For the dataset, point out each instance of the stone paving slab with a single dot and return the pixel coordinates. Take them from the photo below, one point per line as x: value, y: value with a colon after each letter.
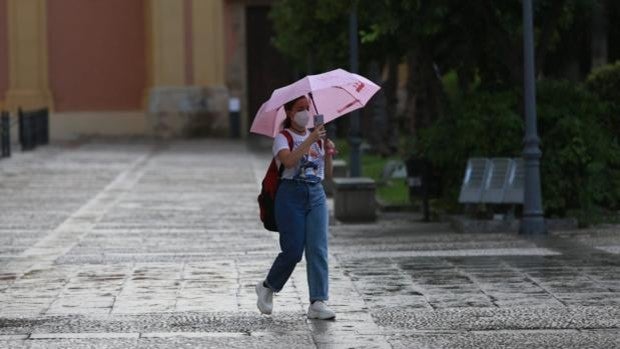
x: 295, y: 341
x: 514, y: 318
x: 144, y: 244
x: 509, y: 339
x: 169, y: 322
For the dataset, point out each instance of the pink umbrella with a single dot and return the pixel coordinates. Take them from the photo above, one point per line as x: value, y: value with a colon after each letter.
x: 333, y: 94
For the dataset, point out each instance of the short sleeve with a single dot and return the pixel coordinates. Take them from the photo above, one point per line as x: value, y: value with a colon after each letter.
x: 279, y: 143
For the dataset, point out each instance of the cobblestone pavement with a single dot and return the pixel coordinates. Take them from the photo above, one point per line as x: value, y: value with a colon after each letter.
x: 133, y: 244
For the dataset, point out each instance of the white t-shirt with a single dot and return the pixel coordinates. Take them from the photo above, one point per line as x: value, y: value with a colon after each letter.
x: 310, y: 167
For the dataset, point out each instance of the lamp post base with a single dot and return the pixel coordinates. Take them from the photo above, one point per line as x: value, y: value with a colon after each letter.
x: 533, y: 225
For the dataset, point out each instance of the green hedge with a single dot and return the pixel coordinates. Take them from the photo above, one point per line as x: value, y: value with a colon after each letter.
x: 579, y: 152
x: 580, y: 155
x: 605, y: 83
x: 482, y: 124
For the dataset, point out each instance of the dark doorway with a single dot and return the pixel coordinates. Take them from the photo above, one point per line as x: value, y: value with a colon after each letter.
x: 267, y: 68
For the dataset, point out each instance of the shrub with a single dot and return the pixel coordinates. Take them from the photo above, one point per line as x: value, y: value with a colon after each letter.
x: 479, y: 124
x: 580, y: 155
x: 605, y: 83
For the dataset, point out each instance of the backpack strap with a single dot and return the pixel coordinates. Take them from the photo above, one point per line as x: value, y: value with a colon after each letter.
x: 289, y: 138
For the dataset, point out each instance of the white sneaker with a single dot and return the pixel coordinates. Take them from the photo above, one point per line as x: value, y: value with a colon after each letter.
x: 320, y: 310
x: 265, y: 298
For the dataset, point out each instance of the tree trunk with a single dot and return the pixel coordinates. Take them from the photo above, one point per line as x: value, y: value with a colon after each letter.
x: 391, y: 136
x: 547, y: 28
x: 424, y: 91
x: 379, y: 116
x: 599, y: 32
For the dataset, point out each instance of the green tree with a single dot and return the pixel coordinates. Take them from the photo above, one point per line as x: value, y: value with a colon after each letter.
x: 479, y: 40
x: 312, y: 33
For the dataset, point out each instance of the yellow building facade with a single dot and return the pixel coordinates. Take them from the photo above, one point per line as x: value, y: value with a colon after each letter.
x: 95, y: 64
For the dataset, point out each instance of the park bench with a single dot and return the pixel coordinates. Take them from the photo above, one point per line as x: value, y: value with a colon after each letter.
x: 495, y: 181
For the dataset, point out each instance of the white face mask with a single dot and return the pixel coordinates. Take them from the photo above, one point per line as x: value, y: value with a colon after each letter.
x: 301, y: 118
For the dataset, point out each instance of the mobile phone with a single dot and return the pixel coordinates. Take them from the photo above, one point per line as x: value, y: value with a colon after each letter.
x: 318, y: 120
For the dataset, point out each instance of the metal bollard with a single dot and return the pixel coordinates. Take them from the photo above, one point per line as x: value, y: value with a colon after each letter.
x: 20, y: 127
x: 234, y: 117
x: 38, y: 117
x: 32, y: 131
x: 5, y: 135
x: 26, y: 129
x: 40, y: 120
x: 46, y: 127
x: 33, y: 128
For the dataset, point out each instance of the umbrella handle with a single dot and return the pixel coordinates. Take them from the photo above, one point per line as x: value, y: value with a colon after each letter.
x: 314, y: 105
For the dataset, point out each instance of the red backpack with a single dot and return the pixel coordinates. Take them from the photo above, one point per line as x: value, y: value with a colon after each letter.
x: 269, y: 187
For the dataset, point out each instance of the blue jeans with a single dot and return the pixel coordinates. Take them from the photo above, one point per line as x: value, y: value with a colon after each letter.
x: 301, y: 215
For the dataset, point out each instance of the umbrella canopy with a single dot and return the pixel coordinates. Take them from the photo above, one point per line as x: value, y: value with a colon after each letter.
x: 334, y: 93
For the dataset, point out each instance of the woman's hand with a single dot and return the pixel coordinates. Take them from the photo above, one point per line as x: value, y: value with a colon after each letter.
x: 330, y: 147
x: 318, y: 133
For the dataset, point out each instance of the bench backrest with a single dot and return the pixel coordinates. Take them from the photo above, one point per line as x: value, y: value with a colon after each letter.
x: 513, y: 194
x: 493, y: 181
x: 474, y: 180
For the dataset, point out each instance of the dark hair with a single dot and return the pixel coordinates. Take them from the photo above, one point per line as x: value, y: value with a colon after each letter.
x: 287, y: 107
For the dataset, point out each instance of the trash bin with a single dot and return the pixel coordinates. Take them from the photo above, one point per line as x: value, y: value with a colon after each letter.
x: 234, y: 117
x: 423, y: 181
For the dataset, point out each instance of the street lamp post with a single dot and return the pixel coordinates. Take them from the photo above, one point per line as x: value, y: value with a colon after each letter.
x: 354, y: 131
x: 533, y: 222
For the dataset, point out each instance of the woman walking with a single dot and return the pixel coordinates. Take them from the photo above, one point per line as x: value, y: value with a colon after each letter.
x: 301, y: 210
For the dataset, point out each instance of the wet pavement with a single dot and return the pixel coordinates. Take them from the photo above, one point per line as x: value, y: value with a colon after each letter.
x: 137, y: 244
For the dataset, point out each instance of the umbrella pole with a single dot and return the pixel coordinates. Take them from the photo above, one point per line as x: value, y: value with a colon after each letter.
x: 314, y: 105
